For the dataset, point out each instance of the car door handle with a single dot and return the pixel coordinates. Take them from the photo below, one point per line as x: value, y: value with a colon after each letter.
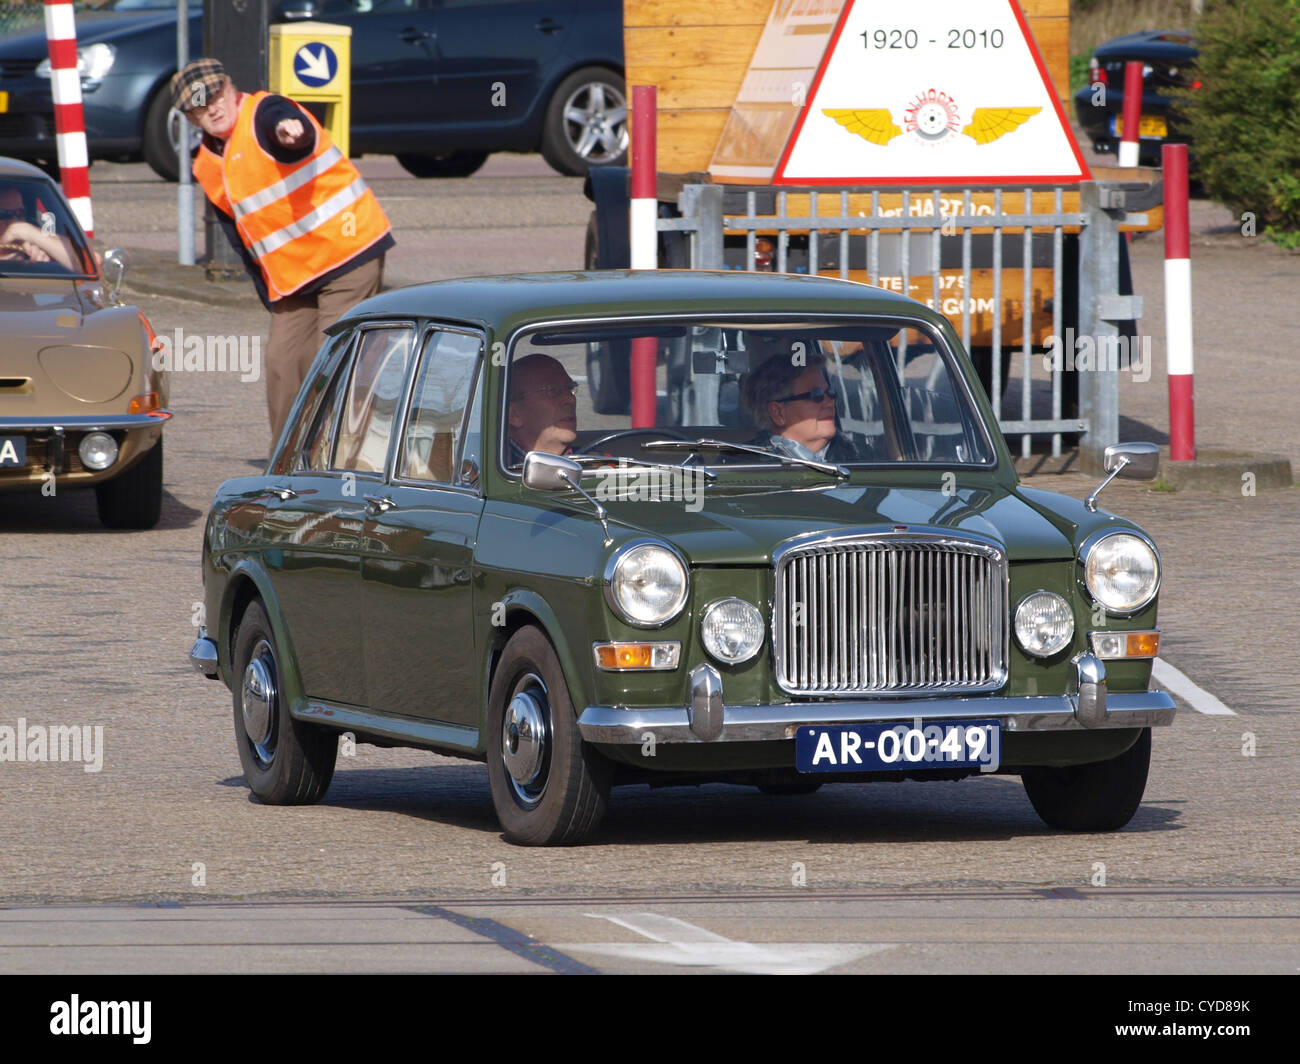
x: 548, y: 25
x: 411, y: 35
x: 376, y: 504
x: 285, y: 494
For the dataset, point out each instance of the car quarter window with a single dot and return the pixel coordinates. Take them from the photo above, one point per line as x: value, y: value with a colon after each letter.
x: 316, y: 449
x: 374, y: 397
x: 438, y: 405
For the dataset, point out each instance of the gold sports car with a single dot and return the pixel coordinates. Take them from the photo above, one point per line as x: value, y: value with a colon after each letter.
x: 81, y: 404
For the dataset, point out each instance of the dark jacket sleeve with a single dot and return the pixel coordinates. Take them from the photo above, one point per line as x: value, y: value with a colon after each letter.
x: 270, y: 113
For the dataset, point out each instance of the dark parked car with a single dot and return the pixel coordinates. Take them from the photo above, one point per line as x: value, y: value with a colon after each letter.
x: 438, y: 83
x: 694, y: 597
x: 1166, y: 57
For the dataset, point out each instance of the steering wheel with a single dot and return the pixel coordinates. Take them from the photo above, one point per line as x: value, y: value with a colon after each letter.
x: 620, y: 434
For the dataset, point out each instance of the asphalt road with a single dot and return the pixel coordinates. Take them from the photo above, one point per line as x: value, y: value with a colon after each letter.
x: 160, y: 861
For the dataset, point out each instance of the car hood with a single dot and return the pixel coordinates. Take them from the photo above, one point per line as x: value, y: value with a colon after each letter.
x: 91, y: 27
x: 737, y: 526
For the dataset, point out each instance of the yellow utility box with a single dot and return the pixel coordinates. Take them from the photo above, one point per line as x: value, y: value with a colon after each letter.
x: 311, y: 62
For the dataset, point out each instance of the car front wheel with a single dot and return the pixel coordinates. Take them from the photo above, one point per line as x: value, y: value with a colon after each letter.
x: 548, y: 786
x: 586, y: 122
x: 449, y: 164
x: 1101, y: 796
x: 286, y: 761
x: 134, y: 499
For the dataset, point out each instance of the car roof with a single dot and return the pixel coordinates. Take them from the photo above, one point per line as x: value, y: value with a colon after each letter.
x: 18, y: 168
x: 510, y: 301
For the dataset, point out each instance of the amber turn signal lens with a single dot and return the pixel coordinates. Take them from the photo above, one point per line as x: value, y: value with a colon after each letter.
x: 626, y: 657
x: 1143, y: 644
x: 142, y: 404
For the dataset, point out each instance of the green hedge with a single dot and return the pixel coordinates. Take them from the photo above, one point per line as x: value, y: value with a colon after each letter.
x: 1244, y: 120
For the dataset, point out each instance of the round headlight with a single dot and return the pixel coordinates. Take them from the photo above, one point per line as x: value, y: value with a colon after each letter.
x: 1044, y: 623
x: 645, y: 584
x: 732, y: 630
x: 98, y: 450
x: 1122, y: 572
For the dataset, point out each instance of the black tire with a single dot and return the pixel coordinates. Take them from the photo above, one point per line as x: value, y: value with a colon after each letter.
x: 591, y: 245
x: 790, y: 787
x: 565, y: 786
x: 600, y: 95
x: 134, y: 499
x: 448, y: 164
x: 1101, y: 796
x: 286, y: 761
x: 155, y: 144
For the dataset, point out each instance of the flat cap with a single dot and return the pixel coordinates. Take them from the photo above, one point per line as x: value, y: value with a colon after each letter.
x: 197, y: 83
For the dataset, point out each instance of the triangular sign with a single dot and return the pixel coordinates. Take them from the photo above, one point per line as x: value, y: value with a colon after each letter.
x: 935, y: 91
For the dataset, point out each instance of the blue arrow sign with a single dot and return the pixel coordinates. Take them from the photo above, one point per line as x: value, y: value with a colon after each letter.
x: 315, y: 64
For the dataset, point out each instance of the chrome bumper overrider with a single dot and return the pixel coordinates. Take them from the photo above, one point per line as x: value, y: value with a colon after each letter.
x: 203, y: 655
x: 709, y: 719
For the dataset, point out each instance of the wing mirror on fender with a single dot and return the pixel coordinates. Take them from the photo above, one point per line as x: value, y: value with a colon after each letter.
x: 1133, y: 461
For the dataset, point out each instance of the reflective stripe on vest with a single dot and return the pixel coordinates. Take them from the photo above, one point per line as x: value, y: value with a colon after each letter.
x: 280, y: 208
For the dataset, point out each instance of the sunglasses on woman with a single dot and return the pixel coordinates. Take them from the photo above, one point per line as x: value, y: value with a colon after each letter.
x: 816, y: 395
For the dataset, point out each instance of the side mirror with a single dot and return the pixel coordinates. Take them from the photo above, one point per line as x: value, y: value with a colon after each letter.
x: 114, y: 269
x: 1143, y: 460
x: 1133, y: 461
x: 548, y: 472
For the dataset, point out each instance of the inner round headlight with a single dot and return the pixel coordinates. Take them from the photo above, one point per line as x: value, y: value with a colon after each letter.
x: 98, y: 450
x: 645, y: 584
x: 732, y: 630
x: 1122, y: 572
x: 1044, y: 623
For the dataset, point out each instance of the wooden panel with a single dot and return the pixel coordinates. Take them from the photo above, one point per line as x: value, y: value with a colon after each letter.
x: 693, y: 13
x: 696, y: 67
x: 687, y: 138
x: 1053, y: 38
x: 1045, y: 8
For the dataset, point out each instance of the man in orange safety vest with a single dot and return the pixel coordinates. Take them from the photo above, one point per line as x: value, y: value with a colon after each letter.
x: 310, y: 232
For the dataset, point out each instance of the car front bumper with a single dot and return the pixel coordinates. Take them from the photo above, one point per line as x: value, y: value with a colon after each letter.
x: 52, y: 446
x: 708, y: 719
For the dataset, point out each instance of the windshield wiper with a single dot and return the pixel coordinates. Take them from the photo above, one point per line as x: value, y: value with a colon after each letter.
x: 587, y: 460
x: 723, y: 447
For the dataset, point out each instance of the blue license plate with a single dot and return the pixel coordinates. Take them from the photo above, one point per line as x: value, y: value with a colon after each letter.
x: 13, y: 450
x: 898, y: 747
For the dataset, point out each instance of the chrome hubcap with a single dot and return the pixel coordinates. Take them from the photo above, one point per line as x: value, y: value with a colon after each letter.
x: 524, y: 740
x: 257, y: 700
x: 595, y: 122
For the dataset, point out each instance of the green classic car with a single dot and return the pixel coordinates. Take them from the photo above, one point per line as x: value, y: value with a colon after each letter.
x: 802, y: 556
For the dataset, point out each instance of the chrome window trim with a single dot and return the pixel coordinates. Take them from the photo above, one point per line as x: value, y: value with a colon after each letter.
x: 934, y: 332
x: 969, y: 542
x: 1081, y: 561
x: 346, y: 361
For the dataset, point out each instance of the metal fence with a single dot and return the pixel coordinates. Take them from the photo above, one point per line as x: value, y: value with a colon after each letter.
x: 942, y: 234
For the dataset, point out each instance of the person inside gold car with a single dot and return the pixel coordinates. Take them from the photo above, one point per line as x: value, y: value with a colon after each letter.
x: 542, y: 413
x: 21, y: 241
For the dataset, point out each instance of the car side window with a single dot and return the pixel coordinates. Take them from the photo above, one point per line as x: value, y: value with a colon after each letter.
x: 315, y: 452
x: 438, y: 406
x: 373, y: 398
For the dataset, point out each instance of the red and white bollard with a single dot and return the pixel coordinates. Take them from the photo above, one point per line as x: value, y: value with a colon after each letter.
x: 1178, y: 305
x: 69, y: 122
x: 643, y: 237
x: 1128, y: 146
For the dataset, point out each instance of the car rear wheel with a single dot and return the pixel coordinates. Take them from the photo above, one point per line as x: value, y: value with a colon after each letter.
x: 134, y: 499
x: 586, y: 122
x: 286, y: 761
x: 448, y: 164
x: 548, y: 786
x: 1101, y: 796
x: 155, y: 143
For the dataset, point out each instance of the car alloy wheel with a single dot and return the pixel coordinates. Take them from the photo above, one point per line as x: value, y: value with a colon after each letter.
x: 586, y: 122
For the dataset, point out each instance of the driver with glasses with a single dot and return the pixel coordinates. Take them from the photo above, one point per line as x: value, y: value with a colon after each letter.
x: 542, y: 412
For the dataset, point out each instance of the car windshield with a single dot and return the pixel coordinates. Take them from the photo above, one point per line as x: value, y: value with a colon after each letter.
x: 870, y: 391
x: 38, y: 235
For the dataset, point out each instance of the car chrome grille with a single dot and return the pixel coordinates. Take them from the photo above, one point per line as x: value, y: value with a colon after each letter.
x: 879, y: 614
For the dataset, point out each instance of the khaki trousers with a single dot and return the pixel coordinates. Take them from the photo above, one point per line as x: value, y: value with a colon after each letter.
x: 298, y: 325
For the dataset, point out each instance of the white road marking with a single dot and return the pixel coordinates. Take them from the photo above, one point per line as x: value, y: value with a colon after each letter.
x: 675, y: 941
x: 1197, y: 697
